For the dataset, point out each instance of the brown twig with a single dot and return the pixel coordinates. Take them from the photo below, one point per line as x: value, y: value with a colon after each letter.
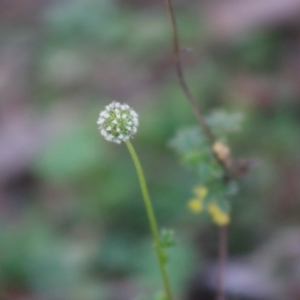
x: 222, y: 261
x: 179, y: 71
x: 192, y: 100
x: 210, y: 137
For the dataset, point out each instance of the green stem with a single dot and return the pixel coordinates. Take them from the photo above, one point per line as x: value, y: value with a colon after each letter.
x: 153, y: 224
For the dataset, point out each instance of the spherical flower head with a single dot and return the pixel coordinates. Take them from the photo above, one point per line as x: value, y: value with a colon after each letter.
x: 118, y: 122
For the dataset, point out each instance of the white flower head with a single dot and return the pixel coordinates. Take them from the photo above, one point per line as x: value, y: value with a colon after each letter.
x: 118, y: 122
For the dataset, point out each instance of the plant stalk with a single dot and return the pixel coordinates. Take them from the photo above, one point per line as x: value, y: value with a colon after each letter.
x: 179, y: 72
x: 228, y: 175
x: 152, y: 220
x: 223, y: 240
x: 186, y: 90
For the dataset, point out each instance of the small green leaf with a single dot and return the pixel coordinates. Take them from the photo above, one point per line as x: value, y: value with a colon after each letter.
x: 167, y: 238
x: 188, y: 140
x: 223, y: 123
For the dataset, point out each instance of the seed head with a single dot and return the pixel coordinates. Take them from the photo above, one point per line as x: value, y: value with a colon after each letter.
x: 118, y: 122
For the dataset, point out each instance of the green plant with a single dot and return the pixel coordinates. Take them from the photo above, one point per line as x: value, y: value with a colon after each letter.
x: 205, y: 149
x: 118, y: 123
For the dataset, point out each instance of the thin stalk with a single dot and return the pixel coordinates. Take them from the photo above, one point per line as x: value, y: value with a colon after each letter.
x: 152, y: 220
x: 179, y: 71
x: 222, y: 262
x: 186, y: 90
x: 228, y: 175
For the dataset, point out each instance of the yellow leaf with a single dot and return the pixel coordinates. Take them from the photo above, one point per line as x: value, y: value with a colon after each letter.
x: 195, y: 205
x: 219, y: 217
x: 201, y: 192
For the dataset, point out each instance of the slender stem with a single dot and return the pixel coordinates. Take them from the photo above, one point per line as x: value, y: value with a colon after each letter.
x: 184, y: 86
x: 222, y: 262
x: 210, y: 137
x: 179, y: 71
x: 152, y: 220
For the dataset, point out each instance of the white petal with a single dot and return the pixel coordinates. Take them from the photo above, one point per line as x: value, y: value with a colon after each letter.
x: 103, y: 132
x: 100, y: 121
x: 133, y: 113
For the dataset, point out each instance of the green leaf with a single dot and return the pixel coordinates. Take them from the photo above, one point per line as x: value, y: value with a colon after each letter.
x: 189, y: 140
x: 223, y: 123
x: 194, y: 150
x: 167, y: 238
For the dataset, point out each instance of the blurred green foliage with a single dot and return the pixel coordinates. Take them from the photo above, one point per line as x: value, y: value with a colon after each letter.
x: 194, y: 149
x: 84, y: 229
